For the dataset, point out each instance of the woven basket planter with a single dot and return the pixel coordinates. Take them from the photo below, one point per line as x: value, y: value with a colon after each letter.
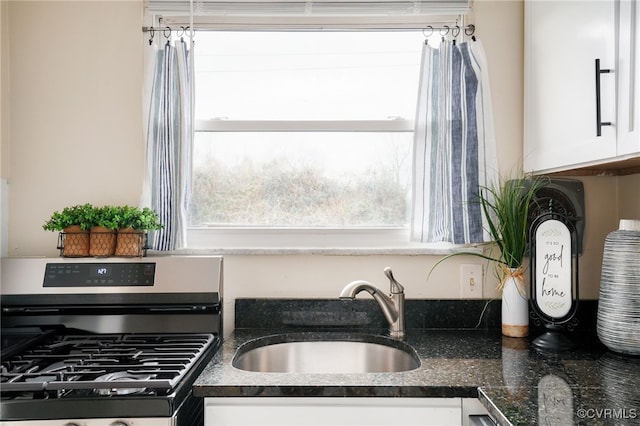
x: 130, y: 243
x: 102, y: 241
x: 74, y: 242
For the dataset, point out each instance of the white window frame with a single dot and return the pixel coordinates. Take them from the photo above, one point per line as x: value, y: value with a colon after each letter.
x: 291, y: 240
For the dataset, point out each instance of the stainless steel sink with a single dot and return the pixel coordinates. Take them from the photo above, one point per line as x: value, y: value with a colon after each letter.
x: 325, y: 354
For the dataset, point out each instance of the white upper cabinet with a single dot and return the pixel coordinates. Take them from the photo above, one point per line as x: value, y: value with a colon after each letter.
x: 571, y: 109
x: 629, y: 78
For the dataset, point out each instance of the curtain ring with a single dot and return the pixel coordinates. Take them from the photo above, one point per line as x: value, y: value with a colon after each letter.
x: 446, y: 30
x: 470, y: 29
x: 164, y: 33
x: 455, y: 31
x: 430, y: 28
x: 181, y: 31
x: 152, y: 33
x: 189, y: 31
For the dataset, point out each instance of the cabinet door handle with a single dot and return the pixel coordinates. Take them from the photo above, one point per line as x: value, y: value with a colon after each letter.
x: 599, y: 122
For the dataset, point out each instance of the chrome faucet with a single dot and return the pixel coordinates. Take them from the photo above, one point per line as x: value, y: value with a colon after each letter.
x: 392, y: 306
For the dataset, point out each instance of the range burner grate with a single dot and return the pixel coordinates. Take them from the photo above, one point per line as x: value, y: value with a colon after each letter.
x: 106, y: 364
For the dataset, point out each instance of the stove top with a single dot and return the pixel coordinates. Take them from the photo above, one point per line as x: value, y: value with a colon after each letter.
x: 107, y: 339
x: 102, y: 365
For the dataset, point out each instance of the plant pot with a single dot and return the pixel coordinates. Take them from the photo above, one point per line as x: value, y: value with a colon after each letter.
x: 75, y: 242
x: 515, y: 305
x: 102, y: 241
x: 129, y: 242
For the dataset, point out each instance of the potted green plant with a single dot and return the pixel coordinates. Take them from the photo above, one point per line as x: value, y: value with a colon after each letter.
x: 103, y: 231
x: 73, y: 223
x: 506, y: 209
x: 133, y: 222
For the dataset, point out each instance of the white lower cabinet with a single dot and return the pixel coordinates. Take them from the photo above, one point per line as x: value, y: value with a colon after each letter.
x: 332, y: 411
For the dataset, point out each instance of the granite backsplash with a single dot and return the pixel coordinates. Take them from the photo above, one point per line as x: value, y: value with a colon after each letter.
x: 365, y: 313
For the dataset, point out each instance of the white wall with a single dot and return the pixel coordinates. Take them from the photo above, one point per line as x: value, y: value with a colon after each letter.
x: 73, y: 89
x: 75, y: 84
x: 4, y: 128
x: 630, y: 197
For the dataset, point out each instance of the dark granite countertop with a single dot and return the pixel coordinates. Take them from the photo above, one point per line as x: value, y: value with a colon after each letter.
x: 518, y: 384
x: 584, y: 387
x: 451, y: 366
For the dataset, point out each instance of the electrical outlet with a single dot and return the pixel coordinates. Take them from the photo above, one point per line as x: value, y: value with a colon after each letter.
x: 471, y: 281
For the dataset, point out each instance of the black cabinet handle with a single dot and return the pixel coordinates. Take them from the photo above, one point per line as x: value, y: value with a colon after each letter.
x: 599, y: 122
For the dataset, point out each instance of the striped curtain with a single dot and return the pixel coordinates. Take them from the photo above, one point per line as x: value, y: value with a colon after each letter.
x: 454, y: 145
x: 169, y: 142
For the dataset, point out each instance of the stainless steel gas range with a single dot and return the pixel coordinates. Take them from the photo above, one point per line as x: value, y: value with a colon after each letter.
x: 109, y: 342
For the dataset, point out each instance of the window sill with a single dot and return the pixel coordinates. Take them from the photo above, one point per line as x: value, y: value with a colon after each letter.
x: 309, y: 241
x: 409, y: 250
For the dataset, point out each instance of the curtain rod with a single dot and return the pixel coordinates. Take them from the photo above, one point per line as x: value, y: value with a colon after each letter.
x: 428, y: 30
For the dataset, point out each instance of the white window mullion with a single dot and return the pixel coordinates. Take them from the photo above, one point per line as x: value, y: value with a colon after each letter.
x: 222, y: 125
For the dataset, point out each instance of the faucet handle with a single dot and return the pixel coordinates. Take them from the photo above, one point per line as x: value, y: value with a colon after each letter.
x: 396, y: 287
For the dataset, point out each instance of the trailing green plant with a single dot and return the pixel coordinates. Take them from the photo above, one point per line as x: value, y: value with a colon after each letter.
x: 506, y: 209
x: 82, y: 215
x: 144, y: 219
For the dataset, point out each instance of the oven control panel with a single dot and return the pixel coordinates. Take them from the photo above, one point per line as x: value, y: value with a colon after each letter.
x: 99, y: 274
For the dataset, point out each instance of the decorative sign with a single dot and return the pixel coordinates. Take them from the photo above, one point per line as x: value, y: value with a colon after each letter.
x: 553, y: 266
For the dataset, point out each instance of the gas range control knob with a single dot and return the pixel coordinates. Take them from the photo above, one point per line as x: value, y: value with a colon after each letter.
x: 119, y: 423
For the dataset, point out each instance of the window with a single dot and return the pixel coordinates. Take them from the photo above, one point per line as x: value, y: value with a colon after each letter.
x: 308, y: 129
